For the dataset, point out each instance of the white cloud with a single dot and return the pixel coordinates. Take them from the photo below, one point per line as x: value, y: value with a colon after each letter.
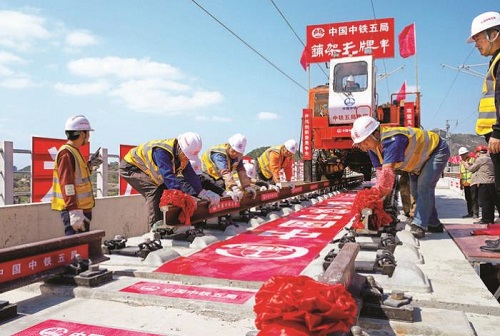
x: 80, y: 38
x: 18, y: 82
x: 267, y: 116
x: 7, y: 57
x: 142, y: 85
x: 19, y: 30
x: 148, y: 96
x: 122, y: 68
x: 213, y: 118
x: 83, y: 89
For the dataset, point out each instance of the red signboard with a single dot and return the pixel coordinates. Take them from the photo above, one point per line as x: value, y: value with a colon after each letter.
x: 307, y: 134
x: 20, y: 268
x: 65, y: 328
x: 125, y: 188
x: 44, y: 151
x: 344, y: 39
x: 409, y: 114
x: 190, y: 292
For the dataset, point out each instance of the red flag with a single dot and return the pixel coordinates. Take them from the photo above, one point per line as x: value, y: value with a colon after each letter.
x: 406, y: 39
x: 402, y: 92
x: 303, y: 59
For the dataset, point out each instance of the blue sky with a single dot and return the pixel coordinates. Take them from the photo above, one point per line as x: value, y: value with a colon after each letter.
x: 143, y: 70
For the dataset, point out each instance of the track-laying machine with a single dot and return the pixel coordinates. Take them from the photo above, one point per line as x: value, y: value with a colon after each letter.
x: 350, y: 93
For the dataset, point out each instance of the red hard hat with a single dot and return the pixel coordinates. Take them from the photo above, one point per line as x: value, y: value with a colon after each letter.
x: 481, y: 148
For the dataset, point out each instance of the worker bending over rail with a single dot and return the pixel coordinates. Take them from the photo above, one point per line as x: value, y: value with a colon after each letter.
x: 421, y: 153
x: 273, y: 160
x: 152, y: 167
x: 220, y: 162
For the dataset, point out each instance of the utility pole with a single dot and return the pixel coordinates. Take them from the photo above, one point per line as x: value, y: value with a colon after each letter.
x: 448, y: 133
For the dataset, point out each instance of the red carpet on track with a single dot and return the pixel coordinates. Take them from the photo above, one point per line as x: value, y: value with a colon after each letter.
x: 284, y: 246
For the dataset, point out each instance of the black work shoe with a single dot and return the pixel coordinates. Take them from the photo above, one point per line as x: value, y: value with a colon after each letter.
x: 492, y: 243
x: 417, y: 231
x: 467, y: 216
x: 436, y: 229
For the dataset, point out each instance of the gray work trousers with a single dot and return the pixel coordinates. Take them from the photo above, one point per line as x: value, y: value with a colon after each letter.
x: 141, y: 182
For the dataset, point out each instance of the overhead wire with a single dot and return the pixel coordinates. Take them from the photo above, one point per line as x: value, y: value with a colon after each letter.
x: 383, y: 61
x: 249, y: 46
x: 451, y: 86
x: 296, y: 35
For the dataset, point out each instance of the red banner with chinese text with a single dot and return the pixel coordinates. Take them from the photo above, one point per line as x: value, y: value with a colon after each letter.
x: 307, y: 134
x: 344, y: 39
x: 23, y: 267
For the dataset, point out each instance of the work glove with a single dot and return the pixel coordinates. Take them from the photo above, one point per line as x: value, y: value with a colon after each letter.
x: 95, y: 162
x: 291, y: 184
x: 210, y: 196
x: 251, y: 190
x: 77, y: 219
x: 263, y: 188
x: 235, y: 193
x: 275, y: 187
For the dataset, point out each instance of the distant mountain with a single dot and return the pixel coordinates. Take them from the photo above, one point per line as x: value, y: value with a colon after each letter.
x: 470, y: 141
x: 26, y: 169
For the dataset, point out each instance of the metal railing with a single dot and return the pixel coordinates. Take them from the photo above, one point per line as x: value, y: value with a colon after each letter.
x: 8, y: 193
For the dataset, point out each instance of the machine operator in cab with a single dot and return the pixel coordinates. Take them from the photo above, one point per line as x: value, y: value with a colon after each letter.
x: 421, y: 153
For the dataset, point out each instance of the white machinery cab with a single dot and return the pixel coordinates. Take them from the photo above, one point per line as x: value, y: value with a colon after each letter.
x: 352, y: 89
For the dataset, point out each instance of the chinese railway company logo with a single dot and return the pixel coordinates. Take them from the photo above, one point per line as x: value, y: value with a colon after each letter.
x: 261, y: 251
x: 318, y: 33
x: 55, y: 331
x: 349, y: 101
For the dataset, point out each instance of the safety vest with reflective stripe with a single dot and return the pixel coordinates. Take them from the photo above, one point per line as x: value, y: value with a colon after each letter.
x: 487, y: 116
x: 264, y: 161
x: 209, y: 167
x: 465, y: 174
x: 83, y: 186
x: 421, y: 144
x: 142, y: 157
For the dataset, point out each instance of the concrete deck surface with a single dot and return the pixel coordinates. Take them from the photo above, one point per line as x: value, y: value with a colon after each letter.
x: 459, y: 303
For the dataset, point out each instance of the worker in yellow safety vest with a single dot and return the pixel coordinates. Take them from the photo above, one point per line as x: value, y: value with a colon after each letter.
x: 152, y: 167
x: 421, y: 153
x: 72, y: 193
x: 220, y: 162
x: 273, y: 160
x: 470, y: 190
x: 485, y: 33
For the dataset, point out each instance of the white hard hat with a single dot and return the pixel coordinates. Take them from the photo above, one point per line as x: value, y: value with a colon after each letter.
x: 250, y: 169
x: 77, y: 123
x: 483, y: 22
x: 190, y: 144
x: 462, y: 150
x: 196, y: 164
x: 238, y: 142
x: 362, y: 128
x: 350, y: 78
x: 291, y: 145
